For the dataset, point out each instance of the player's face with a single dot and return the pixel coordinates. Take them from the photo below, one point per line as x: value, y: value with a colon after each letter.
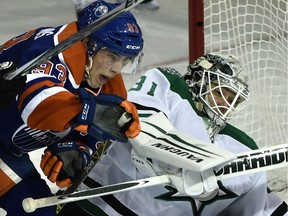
x: 105, y: 66
x: 221, y: 99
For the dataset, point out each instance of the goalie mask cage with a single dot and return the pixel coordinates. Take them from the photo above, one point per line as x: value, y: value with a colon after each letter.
x: 255, y: 31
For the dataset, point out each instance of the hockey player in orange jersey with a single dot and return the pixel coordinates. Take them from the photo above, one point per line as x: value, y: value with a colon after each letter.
x: 68, y: 103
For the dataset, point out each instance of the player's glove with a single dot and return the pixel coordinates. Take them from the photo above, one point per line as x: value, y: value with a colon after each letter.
x: 199, y: 185
x: 107, y: 116
x: 62, y: 162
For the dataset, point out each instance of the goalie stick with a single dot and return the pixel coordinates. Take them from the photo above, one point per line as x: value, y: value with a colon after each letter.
x: 259, y: 160
x: 86, y: 31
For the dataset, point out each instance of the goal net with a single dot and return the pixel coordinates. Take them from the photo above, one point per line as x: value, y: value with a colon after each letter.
x: 256, y: 32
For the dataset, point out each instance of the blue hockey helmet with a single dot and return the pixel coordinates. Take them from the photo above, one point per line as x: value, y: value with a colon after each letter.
x: 121, y: 36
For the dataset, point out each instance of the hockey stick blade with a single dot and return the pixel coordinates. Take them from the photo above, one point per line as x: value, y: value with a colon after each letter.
x: 86, y: 31
x: 259, y: 160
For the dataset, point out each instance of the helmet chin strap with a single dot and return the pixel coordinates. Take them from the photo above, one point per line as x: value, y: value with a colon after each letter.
x: 87, y: 70
x: 87, y: 74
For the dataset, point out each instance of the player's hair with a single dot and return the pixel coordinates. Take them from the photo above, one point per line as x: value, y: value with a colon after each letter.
x: 121, y: 36
x: 211, y: 73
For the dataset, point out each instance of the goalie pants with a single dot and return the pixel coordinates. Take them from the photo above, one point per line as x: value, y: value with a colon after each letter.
x: 19, y: 179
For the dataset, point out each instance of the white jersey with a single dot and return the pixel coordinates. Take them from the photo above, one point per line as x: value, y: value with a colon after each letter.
x: 162, y: 90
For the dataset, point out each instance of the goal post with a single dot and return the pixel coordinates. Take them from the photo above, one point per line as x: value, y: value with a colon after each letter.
x: 256, y: 32
x: 195, y: 29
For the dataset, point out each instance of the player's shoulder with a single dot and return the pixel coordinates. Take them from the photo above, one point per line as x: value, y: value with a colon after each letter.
x: 61, y: 32
x: 170, y: 78
x: 164, y: 70
x: 239, y: 135
x: 169, y: 71
x: 164, y: 73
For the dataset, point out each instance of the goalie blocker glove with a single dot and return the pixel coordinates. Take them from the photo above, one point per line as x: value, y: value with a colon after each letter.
x: 107, y: 117
x: 9, y: 88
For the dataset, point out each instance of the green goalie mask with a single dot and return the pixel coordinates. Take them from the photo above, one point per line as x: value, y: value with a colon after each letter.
x: 218, y: 86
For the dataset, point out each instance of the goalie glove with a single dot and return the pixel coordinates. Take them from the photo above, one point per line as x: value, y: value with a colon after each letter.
x: 107, y: 116
x: 199, y: 185
x: 62, y: 162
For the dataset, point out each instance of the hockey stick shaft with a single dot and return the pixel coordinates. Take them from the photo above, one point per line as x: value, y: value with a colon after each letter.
x: 259, y: 160
x: 94, y: 159
x: 30, y: 204
x: 86, y: 31
x: 102, y: 147
x: 253, y: 161
x: 97, y: 155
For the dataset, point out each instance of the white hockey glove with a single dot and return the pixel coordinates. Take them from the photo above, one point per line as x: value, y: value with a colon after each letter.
x: 199, y: 185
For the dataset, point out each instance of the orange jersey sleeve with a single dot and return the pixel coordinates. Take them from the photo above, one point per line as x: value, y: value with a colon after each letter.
x: 50, y: 102
x: 56, y: 113
x: 74, y: 56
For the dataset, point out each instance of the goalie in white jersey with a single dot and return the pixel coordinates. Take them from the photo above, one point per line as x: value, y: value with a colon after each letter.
x: 198, y: 104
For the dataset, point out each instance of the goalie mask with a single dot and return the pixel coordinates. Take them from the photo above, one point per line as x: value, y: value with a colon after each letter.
x: 218, y: 86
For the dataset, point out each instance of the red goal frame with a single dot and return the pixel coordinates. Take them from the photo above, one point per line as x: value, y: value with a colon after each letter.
x: 195, y: 29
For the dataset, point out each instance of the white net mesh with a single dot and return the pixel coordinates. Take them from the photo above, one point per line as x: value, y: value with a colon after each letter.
x: 256, y: 32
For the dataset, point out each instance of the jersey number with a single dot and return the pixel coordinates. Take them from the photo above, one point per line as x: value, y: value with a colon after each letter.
x: 138, y: 85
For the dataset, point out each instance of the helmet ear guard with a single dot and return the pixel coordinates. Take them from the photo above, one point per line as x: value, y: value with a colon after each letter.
x: 212, y: 74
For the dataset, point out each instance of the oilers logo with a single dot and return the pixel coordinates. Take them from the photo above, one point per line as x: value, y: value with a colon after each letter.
x: 101, y: 10
x: 26, y: 139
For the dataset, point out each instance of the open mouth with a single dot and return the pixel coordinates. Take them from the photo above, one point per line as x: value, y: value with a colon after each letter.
x: 103, y: 79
